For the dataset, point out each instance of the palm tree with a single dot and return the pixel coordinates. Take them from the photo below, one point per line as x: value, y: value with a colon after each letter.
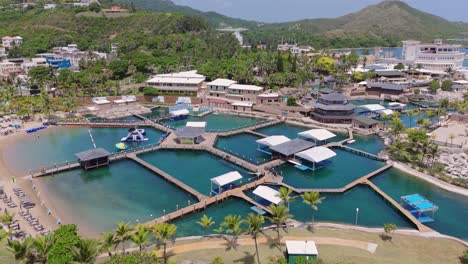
x: 122, y: 233
x: 312, y: 199
x: 108, y: 242
x: 21, y: 250
x: 206, y: 222
x: 389, y: 229
x: 141, y: 236
x: 46, y: 105
x: 410, y: 114
x: 431, y: 114
x: 279, y: 216
x: 41, y: 247
x: 452, y: 137
x: 384, y: 118
x: 232, y: 224
x: 285, y: 195
x: 164, y: 232
x: 86, y: 251
x: 7, y: 218
x: 254, y: 227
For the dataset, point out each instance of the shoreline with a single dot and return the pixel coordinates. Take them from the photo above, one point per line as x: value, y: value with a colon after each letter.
x: 64, y: 211
x: 41, y: 196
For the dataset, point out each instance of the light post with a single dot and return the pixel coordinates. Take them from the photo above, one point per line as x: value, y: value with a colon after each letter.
x: 357, y: 214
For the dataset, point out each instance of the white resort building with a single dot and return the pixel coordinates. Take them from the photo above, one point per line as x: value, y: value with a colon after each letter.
x: 181, y: 82
x: 433, y: 56
x: 10, y: 42
x: 224, y: 93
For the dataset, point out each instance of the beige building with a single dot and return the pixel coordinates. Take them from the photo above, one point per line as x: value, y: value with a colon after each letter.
x: 181, y: 82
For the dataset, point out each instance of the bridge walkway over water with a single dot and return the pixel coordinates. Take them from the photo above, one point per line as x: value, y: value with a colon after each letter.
x: 237, y: 192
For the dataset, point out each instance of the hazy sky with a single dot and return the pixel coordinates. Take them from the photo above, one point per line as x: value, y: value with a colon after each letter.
x: 289, y: 10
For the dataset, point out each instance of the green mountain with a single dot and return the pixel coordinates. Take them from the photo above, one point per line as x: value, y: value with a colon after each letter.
x: 386, y: 22
x: 388, y: 18
x: 167, y: 6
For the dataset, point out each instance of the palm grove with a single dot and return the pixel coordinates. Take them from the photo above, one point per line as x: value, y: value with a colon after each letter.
x: 64, y: 245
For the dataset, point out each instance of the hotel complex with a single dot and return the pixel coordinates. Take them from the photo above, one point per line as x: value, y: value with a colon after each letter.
x: 433, y: 56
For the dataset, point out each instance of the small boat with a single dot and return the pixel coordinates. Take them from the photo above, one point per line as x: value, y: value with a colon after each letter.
x: 351, y: 141
x: 121, y: 146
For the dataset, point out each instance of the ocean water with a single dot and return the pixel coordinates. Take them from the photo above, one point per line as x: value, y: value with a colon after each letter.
x: 243, y: 146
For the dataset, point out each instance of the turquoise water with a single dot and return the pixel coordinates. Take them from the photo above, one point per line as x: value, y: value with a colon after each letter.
x: 194, y: 168
x: 243, y: 146
x: 187, y: 226
x: 453, y: 208
x: 217, y: 122
x: 345, y: 168
x: 157, y: 112
x: 123, y: 191
x: 62, y: 143
x: 291, y: 131
x: 372, y: 144
x: 127, y: 119
x: 341, y: 208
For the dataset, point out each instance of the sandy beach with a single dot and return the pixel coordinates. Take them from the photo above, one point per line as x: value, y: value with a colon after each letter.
x: 39, y: 194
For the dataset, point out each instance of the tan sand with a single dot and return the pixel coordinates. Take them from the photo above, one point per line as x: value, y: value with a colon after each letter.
x: 39, y: 195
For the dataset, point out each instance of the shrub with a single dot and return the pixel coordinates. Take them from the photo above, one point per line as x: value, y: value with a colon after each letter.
x: 150, y: 91
x: 217, y: 260
x: 65, y: 237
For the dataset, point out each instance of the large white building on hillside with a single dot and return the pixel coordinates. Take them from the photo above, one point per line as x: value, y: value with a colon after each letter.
x: 224, y: 93
x: 10, y: 42
x: 433, y: 56
x: 181, y: 82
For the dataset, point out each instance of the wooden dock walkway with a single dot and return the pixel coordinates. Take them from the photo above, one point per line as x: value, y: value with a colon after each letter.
x: 146, y: 123
x: 255, y: 133
x: 362, y: 153
x: 347, y: 187
x: 421, y: 227
x: 168, y: 177
x: 254, y: 127
x: 237, y: 192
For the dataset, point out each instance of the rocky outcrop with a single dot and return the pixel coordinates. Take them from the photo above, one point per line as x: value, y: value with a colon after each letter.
x: 456, y: 164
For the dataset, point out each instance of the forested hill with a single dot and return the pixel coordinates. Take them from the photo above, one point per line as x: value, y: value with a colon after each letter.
x: 215, y: 19
x: 386, y: 23
x: 44, y: 29
x: 388, y: 18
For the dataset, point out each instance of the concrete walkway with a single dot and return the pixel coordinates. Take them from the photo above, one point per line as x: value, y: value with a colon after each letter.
x: 244, y: 241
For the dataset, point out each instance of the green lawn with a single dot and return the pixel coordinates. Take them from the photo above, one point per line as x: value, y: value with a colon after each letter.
x: 6, y: 257
x: 403, y: 249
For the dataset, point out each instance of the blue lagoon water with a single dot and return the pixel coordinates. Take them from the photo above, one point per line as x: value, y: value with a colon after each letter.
x: 344, y: 168
x: 453, y: 208
x: 217, y: 122
x: 102, y: 197
x: 194, y: 168
x: 59, y: 144
x: 243, y: 146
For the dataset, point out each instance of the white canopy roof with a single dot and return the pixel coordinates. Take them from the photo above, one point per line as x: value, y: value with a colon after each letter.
x: 385, y: 112
x: 120, y: 101
x: 372, y: 107
x: 317, y: 134
x: 196, y: 124
x: 273, y: 140
x: 245, y: 87
x: 226, y: 178
x: 221, y: 82
x: 268, y: 194
x: 180, y: 112
x: 301, y: 247
x: 316, y: 154
x: 396, y: 104
x: 242, y: 103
